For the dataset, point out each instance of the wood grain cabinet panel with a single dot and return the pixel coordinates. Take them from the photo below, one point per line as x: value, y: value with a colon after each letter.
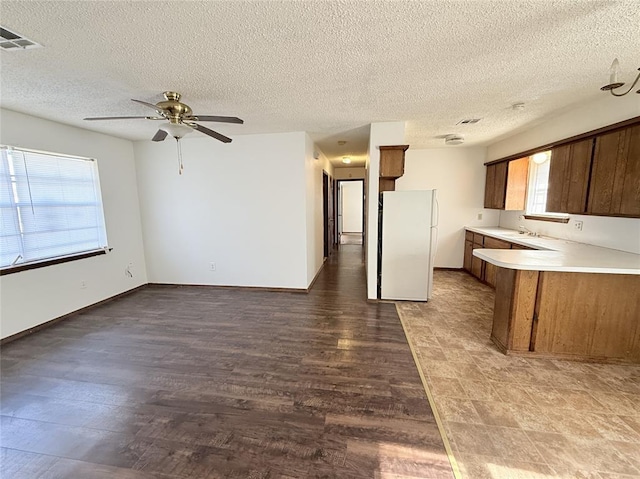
x: 468, y: 255
x: 519, y: 246
x: 590, y: 316
x: 392, y: 161
x: 496, y: 186
x: 517, y: 179
x: 477, y: 267
x: 514, y: 309
x: 569, y: 177
x: 495, y: 243
x: 490, y: 270
x: 615, y: 174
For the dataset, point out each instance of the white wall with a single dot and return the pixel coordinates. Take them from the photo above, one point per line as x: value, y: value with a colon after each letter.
x: 458, y: 174
x: 616, y: 233
x: 351, y: 195
x: 314, y: 206
x: 381, y: 134
x: 33, y: 297
x: 242, y: 206
x: 351, y: 173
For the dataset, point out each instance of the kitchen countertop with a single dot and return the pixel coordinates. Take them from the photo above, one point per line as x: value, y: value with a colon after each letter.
x: 554, y: 254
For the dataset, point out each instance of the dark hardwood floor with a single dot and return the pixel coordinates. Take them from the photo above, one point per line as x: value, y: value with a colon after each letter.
x: 198, y: 382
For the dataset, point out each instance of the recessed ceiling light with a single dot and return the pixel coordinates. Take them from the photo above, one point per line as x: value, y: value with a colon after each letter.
x: 346, y: 160
x: 453, y: 139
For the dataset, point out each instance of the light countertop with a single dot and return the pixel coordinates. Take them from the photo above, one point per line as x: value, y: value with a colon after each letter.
x: 554, y: 254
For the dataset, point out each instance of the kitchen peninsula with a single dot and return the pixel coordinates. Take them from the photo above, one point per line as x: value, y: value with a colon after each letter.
x: 558, y: 298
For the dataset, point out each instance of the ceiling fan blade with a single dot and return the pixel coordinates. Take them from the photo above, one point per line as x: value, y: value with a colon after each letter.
x: 159, y: 136
x: 220, y: 119
x: 150, y: 105
x: 124, y: 118
x: 209, y: 132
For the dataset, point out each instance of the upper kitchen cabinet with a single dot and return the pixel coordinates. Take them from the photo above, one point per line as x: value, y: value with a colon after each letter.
x: 495, y: 188
x: 392, y: 161
x: 391, y: 166
x: 506, y: 185
x: 569, y: 177
x: 615, y: 174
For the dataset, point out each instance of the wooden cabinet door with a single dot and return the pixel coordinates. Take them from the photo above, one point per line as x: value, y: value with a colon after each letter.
x: 496, y: 186
x: 569, y: 177
x: 477, y: 268
x: 477, y: 265
x: 517, y: 178
x: 468, y: 255
x: 615, y: 174
x: 392, y: 161
x: 490, y: 271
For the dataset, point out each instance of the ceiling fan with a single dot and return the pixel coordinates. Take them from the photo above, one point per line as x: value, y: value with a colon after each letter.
x: 181, y: 119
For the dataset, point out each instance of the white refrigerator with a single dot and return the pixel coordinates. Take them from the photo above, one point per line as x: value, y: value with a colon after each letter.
x: 408, y: 244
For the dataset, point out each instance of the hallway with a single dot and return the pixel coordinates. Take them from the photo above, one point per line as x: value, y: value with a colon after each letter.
x: 202, y: 382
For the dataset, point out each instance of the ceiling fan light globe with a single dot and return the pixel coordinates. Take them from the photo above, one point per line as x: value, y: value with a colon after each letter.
x: 176, y: 130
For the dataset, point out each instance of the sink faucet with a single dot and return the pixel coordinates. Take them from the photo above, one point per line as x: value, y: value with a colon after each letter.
x: 524, y: 230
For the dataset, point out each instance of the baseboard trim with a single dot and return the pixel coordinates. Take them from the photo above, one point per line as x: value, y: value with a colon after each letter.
x: 54, y: 321
x: 239, y: 288
x: 438, y: 268
x: 313, y: 281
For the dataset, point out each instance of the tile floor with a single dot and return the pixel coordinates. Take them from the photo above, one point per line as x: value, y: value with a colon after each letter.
x: 510, y: 417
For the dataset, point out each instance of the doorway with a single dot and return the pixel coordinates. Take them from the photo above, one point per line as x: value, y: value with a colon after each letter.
x: 350, y: 225
x: 328, y: 218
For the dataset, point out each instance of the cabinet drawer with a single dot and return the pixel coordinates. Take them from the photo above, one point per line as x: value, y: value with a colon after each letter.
x: 468, y: 236
x: 519, y: 246
x: 478, y: 239
x: 493, y: 243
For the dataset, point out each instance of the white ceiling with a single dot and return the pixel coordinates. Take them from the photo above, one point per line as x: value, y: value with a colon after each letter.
x: 326, y: 67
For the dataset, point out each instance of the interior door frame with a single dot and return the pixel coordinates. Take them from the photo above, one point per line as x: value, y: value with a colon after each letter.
x: 338, y: 199
x: 325, y: 213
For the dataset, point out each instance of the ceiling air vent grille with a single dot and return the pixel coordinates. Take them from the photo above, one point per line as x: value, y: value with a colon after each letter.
x: 469, y: 121
x: 12, y: 41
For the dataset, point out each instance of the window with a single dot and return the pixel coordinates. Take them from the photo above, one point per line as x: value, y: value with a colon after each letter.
x: 50, y: 206
x: 538, y: 183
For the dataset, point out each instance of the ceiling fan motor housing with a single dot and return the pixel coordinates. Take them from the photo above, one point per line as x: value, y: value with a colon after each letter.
x: 172, y: 108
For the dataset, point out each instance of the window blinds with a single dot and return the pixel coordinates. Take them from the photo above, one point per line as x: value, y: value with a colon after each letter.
x: 50, y: 206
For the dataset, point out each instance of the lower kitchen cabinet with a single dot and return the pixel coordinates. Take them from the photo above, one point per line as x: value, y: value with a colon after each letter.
x: 482, y: 270
x: 584, y: 316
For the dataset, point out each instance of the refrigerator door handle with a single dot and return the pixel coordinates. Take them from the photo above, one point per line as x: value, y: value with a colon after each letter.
x: 436, y: 211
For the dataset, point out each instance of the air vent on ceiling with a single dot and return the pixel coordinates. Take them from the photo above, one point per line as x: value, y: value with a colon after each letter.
x: 12, y: 41
x: 469, y: 121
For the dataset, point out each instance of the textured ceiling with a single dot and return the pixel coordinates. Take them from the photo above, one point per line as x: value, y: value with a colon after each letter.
x: 326, y: 67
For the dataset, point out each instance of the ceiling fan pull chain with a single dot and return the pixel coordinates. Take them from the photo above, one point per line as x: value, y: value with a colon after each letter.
x: 180, y: 165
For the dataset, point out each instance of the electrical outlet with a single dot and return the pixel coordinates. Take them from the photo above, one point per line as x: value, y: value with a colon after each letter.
x: 212, y: 266
x: 577, y: 225
x: 83, y: 284
x: 479, y: 216
x: 521, y: 217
